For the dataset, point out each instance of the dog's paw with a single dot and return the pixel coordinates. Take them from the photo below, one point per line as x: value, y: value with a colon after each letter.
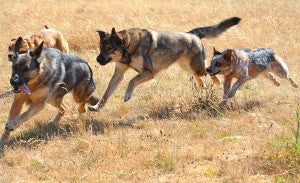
x: 127, y: 96
x: 94, y: 108
x: 3, y: 140
x: 12, y: 124
x: 223, y: 104
x: 9, y: 127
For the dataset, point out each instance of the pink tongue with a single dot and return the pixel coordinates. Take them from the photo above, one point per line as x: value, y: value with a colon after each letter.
x: 25, y: 89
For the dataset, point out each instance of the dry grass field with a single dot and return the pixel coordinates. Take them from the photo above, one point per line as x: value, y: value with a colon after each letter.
x: 170, y: 131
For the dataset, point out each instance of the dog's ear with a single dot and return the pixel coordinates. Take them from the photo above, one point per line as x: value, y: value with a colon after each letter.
x: 116, y: 35
x: 102, y: 34
x: 36, y: 52
x: 228, y: 55
x: 113, y: 31
x: 216, y: 52
x: 18, y: 44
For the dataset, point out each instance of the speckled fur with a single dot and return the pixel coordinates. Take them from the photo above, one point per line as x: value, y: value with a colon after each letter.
x: 245, y: 64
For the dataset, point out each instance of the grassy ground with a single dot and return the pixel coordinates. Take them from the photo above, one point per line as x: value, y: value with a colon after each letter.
x: 168, y: 131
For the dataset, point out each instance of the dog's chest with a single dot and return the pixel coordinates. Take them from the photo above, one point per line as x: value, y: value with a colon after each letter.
x: 137, y: 63
x: 39, y: 95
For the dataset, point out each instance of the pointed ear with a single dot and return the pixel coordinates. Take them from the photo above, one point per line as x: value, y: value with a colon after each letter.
x: 216, y: 52
x: 116, y: 36
x: 228, y: 55
x: 101, y: 33
x: 18, y: 44
x: 113, y: 31
x: 36, y: 52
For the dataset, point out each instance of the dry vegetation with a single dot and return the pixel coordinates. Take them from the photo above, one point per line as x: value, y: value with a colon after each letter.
x: 168, y: 132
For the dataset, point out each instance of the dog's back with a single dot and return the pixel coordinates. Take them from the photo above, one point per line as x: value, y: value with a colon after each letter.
x: 52, y: 39
x: 65, y: 68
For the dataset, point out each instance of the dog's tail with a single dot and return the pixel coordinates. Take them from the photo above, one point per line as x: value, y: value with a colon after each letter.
x: 46, y: 27
x: 215, y: 30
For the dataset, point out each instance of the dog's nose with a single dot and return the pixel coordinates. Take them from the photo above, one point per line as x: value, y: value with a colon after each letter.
x: 10, y: 57
x: 208, y: 69
x: 99, y: 59
x: 15, y: 81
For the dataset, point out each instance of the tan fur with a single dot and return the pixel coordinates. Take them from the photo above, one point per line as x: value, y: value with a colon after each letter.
x: 52, y: 39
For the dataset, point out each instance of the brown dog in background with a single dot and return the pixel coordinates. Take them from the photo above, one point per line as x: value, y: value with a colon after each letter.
x: 51, y: 38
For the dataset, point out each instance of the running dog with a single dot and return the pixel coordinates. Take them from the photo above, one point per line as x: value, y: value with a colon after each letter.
x: 46, y: 75
x: 51, y: 38
x: 245, y: 64
x: 149, y: 51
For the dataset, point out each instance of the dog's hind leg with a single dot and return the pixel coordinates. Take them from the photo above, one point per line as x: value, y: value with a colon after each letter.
x: 280, y: 68
x: 200, y: 83
x: 58, y: 103
x: 271, y: 77
x: 216, y: 80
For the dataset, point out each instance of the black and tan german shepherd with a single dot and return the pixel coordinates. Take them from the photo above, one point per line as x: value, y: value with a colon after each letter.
x: 149, y: 51
x: 46, y: 75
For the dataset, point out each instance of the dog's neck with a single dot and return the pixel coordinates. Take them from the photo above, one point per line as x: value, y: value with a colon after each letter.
x: 126, y: 55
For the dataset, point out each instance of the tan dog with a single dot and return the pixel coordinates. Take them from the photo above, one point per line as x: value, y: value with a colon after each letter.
x: 51, y: 38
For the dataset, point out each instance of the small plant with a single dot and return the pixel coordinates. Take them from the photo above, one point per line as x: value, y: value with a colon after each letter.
x: 296, y: 132
x: 228, y: 137
x: 162, y: 162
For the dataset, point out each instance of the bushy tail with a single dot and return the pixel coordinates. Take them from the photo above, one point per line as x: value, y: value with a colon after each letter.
x: 215, y: 30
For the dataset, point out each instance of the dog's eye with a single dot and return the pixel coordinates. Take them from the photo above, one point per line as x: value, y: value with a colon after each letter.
x: 218, y: 64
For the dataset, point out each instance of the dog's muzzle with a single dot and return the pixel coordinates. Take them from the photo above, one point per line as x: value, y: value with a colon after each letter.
x: 213, y: 74
x: 103, y: 61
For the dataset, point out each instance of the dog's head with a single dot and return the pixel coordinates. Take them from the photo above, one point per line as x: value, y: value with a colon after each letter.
x: 24, y: 47
x: 111, y: 47
x: 25, y: 66
x: 220, y: 63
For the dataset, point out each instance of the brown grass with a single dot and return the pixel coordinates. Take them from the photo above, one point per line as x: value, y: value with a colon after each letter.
x: 165, y: 133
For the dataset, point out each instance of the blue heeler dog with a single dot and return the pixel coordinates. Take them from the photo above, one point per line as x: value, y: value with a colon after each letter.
x: 245, y: 64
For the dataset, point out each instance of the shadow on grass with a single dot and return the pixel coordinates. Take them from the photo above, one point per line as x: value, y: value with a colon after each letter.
x: 247, y: 105
x: 43, y: 132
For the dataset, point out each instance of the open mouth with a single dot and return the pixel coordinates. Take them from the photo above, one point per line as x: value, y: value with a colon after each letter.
x: 16, y: 89
x: 24, y: 88
x: 213, y: 74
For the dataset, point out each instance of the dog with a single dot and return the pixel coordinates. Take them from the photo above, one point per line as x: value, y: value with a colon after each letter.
x: 148, y: 52
x: 46, y: 75
x: 51, y: 38
x: 245, y: 64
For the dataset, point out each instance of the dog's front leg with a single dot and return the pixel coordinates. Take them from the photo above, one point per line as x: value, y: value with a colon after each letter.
x: 15, y: 110
x: 15, y: 122
x: 112, y: 86
x: 142, y: 77
x: 233, y: 90
x: 227, y: 85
